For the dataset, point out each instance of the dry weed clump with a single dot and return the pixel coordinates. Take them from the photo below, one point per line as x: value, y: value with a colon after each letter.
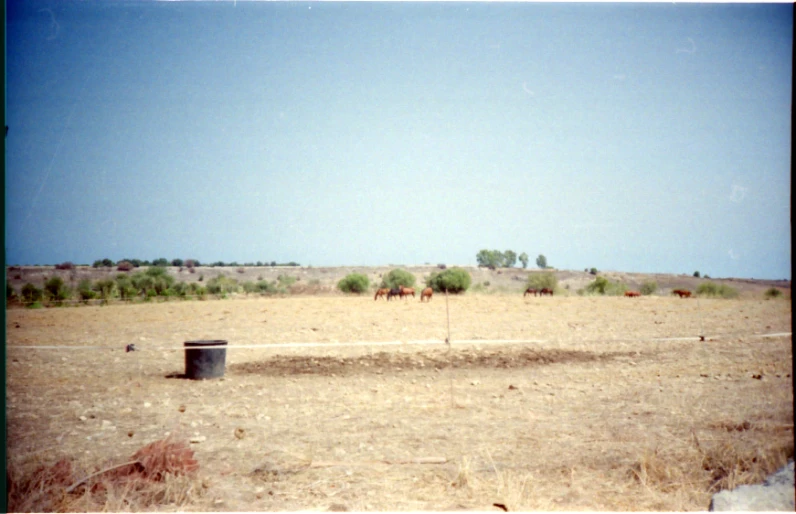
x: 726, y: 463
x: 731, y: 464
x: 160, y: 473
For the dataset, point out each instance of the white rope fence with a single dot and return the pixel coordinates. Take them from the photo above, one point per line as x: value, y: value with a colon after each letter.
x: 417, y: 342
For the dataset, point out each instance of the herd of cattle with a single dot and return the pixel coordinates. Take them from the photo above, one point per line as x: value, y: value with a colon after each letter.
x: 425, y: 294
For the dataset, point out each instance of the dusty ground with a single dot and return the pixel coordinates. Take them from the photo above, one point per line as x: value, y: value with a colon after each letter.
x: 595, y: 415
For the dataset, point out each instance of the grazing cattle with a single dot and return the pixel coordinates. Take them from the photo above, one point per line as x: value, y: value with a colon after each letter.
x: 395, y: 291
x: 530, y: 290
x: 406, y: 291
x: 632, y: 294
x: 682, y: 293
x: 426, y: 293
x: 381, y: 293
x: 545, y: 291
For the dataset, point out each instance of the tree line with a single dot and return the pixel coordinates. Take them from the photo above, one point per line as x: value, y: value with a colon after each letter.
x: 494, y: 259
x: 188, y: 263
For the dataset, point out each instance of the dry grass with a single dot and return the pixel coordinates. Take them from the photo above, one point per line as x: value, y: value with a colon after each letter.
x: 159, y: 475
x: 596, y: 416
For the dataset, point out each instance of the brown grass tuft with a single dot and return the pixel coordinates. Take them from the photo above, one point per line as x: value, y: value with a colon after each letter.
x: 160, y: 473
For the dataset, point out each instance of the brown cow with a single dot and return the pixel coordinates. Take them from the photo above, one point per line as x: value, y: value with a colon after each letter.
x: 381, y: 293
x: 632, y: 294
x: 682, y: 293
x: 530, y: 290
x: 545, y: 291
x: 426, y: 293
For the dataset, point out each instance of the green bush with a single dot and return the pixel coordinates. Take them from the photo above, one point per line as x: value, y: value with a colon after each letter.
x: 714, y: 290
x: 286, y: 281
x: 105, y: 288
x: 542, y: 280
x: 603, y: 286
x: 221, y: 286
x: 772, y: 292
x: 354, y: 283
x: 125, y: 287
x: 397, y: 278
x: 84, y: 291
x: 649, y: 287
x: 453, y: 280
x: 56, y: 291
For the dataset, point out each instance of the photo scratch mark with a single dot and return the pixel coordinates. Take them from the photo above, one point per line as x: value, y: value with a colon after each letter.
x: 738, y: 193
x: 688, y: 50
x: 54, y: 25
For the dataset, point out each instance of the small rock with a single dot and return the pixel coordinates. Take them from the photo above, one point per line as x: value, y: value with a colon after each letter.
x: 198, y: 439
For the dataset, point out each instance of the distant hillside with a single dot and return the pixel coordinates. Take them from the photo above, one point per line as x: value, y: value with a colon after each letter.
x: 323, y: 280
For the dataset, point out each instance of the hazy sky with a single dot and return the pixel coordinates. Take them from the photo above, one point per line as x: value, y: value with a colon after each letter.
x: 633, y: 137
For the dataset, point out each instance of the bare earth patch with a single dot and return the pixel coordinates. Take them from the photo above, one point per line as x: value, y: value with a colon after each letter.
x: 609, y: 410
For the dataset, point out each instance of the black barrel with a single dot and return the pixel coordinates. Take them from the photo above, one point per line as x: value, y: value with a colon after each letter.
x: 203, y: 362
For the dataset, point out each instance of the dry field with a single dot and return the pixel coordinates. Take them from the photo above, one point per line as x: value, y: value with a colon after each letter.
x: 606, y: 410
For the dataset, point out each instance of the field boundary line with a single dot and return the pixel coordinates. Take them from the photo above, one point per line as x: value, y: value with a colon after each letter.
x: 414, y: 342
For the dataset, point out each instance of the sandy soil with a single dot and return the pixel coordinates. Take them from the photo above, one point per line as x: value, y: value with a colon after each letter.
x: 586, y: 417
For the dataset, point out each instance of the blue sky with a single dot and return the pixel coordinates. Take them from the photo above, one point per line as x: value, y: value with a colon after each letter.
x: 632, y: 137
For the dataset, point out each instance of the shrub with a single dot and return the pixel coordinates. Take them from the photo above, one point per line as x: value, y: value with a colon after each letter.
x: 714, y: 290
x: 84, y: 291
x: 124, y: 284
x: 603, y: 286
x: 286, y: 281
x: 541, y: 261
x: 176, y: 262
x: 241, y: 270
x: 454, y: 280
x: 125, y: 266
x: 649, y: 287
x: 397, y: 278
x: 354, y: 283
x: 105, y: 288
x: 161, y: 262
x: 593, y: 271
x: 696, y: 274
x: 56, y: 290
x: 198, y: 290
x: 542, y: 280
x: 772, y: 292
x: 65, y: 265
x: 107, y: 263
x: 221, y: 286
x: 143, y: 283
